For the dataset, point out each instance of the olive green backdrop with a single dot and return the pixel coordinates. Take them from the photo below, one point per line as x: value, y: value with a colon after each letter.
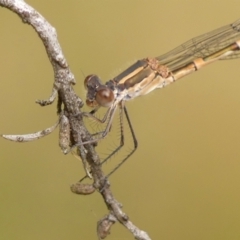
x: 183, y: 182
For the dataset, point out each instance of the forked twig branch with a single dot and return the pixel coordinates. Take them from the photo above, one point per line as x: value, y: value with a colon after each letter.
x: 62, y: 87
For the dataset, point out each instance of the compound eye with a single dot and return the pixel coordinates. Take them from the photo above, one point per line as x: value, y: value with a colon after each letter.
x: 104, y: 97
x: 92, y: 81
x: 87, y: 80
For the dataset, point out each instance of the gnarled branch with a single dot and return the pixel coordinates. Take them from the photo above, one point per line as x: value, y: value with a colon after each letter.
x: 62, y: 87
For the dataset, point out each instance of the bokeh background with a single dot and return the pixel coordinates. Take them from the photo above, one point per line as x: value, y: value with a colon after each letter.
x: 183, y: 181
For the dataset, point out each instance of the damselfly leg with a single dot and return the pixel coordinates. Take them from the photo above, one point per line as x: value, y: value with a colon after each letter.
x: 122, y: 112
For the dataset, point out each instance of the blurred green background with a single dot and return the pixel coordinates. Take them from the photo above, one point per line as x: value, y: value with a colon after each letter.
x: 183, y: 181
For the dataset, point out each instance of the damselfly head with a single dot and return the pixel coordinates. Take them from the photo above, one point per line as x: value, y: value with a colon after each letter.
x: 91, y: 84
x: 97, y: 93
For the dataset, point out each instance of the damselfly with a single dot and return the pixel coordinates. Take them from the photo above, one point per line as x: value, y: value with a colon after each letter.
x: 150, y: 73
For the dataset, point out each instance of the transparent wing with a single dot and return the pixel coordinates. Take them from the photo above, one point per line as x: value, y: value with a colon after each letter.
x: 202, y: 46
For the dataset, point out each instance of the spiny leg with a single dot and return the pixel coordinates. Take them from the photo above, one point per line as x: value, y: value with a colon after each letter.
x: 110, y: 115
x: 121, y: 107
x: 134, y: 142
x: 102, y: 134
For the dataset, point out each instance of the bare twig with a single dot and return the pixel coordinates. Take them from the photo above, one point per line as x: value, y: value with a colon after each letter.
x: 63, y: 81
x: 31, y: 136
